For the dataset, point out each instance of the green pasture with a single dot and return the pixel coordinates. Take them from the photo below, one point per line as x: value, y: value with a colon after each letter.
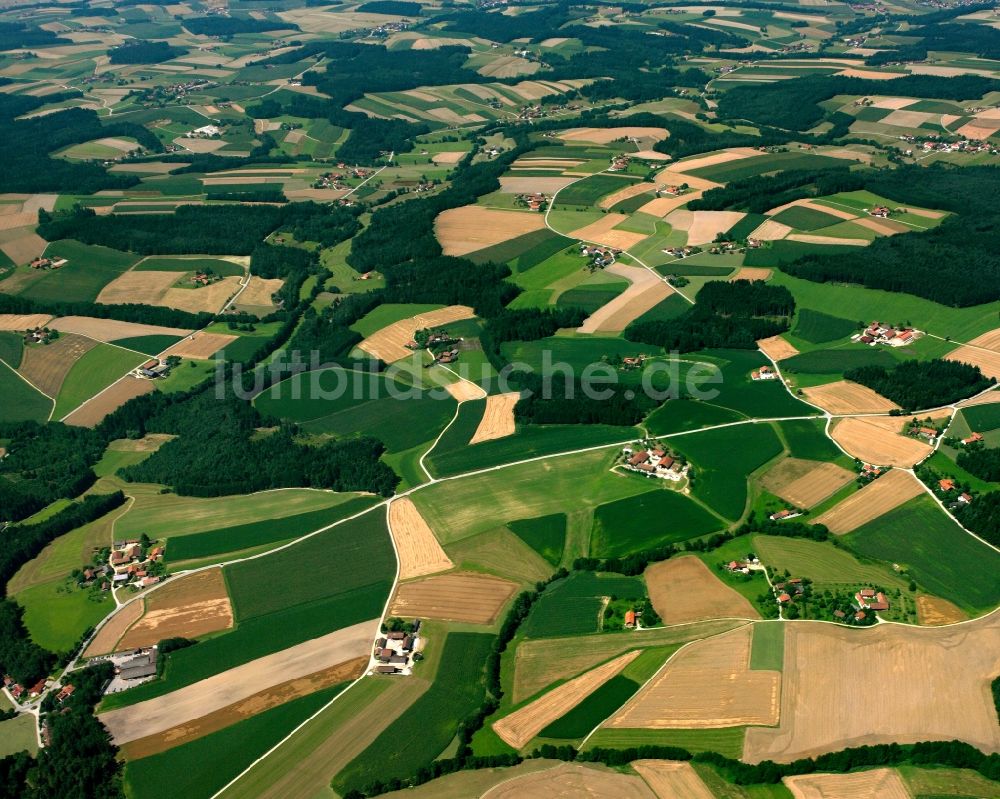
x: 939, y: 554
x: 593, y: 710
x: 150, y: 345
x: 807, y: 439
x: 680, y: 415
x: 58, y: 613
x: 651, y: 519
x: 982, y: 418
x: 96, y: 369
x: 89, y: 269
x: 167, y: 264
x: 803, y: 218
x: 388, y: 314
x: 571, y: 606
x: 18, y: 735
x: 822, y: 562
x: 767, y: 649
x: 817, y: 327
x: 727, y: 741
x: 11, y: 348
x: 21, y: 402
x: 757, y: 165
x: 544, y: 534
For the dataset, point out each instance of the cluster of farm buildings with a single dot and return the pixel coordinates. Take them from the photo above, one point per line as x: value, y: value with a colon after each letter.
x: 536, y: 201
x: 41, y: 262
x: 130, y: 564
x: 40, y: 335
x: 764, y: 373
x: 152, y: 369
x: 396, y: 651
x: 599, y: 256
x: 884, y: 333
x: 654, y: 461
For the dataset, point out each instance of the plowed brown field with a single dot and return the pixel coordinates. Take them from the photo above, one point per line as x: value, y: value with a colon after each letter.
x: 684, y: 589
x: 875, y: 499
x: 46, y: 365
x: 186, y: 607
x: 473, y: 598
x: 936, y: 688
x: 94, y: 410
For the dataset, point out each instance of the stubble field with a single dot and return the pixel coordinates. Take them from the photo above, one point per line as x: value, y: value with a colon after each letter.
x: 875, y: 499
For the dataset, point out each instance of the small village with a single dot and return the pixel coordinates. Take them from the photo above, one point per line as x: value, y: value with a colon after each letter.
x: 884, y: 333
x: 439, y: 342
x: 398, y: 648
x: 650, y: 459
x: 599, y: 257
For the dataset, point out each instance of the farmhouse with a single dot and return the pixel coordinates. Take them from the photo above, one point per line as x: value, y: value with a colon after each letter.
x: 783, y: 514
x: 946, y: 484
x: 151, y: 369
x: 652, y: 461
x: 139, y: 667
x: 870, y: 599
x: 764, y: 373
x: 884, y: 333
x: 536, y: 201
x: 204, y: 132
x: 630, y: 619
x: 65, y: 693
x: 599, y: 256
x: 395, y: 651
x: 973, y: 439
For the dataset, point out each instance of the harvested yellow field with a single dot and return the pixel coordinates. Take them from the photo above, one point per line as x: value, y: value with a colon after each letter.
x: 707, y: 685
x: 752, y: 273
x: 735, y: 154
x: 626, y: 193
x: 186, y: 607
x: 45, y: 366
x: 111, y: 329
x: 608, y: 135
x: 883, y: 227
x: 418, y: 550
x: 840, y: 213
x: 571, y: 780
x: 20, y: 322
x: 210, y: 298
x: 983, y: 351
x: 220, y: 690
x: 22, y: 248
x: 933, y: 611
x: 200, y: 345
x: 388, y: 343
x: 259, y: 291
x: 672, y: 780
x: 602, y: 231
x: 770, y: 230
x: 907, y: 119
x: 104, y: 642
x: 703, y: 226
x: 651, y: 155
x: 546, y: 163
x: 542, y: 184
x: 809, y: 238
x: 458, y: 596
x: 804, y: 484
x: 894, y: 103
x: 936, y: 688
x: 875, y: 499
x: 498, y: 418
x: 521, y: 726
x: 844, y: 397
x: 684, y: 589
x: 870, y: 74
x: 471, y: 228
x: 111, y: 399
x: 464, y: 390
x: 776, y: 348
x: 879, y: 783
x: 661, y: 206
x: 541, y: 662
x: 646, y: 291
x: 987, y: 398
x: 671, y: 177
x: 873, y: 443
x: 448, y: 157
x: 147, y: 288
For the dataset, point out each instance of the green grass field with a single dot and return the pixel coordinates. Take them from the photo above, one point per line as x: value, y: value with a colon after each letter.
x: 647, y: 520
x: 727, y: 741
x: 939, y: 555
x: 58, y: 613
x: 818, y: 328
x: 201, y: 767
x: 234, y: 539
x: 767, y: 650
x: 593, y: 710
x: 756, y: 399
x: 151, y: 345
x: 427, y: 728
x: 982, y: 418
x: 97, y: 369
x: 723, y: 460
x: 167, y: 264
x: 355, y: 556
x: 757, y: 165
x: 822, y: 562
x: 11, y: 348
x: 806, y: 439
x: 389, y: 313
x: 18, y: 735
x: 454, y: 509
x: 544, y: 534
x: 838, y: 361
x: 89, y: 269
x: 570, y: 606
x: 21, y: 402
x: 589, y: 190
x: 805, y: 218
x: 681, y: 414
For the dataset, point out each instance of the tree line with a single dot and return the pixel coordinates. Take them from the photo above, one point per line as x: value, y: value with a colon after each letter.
x: 914, y: 385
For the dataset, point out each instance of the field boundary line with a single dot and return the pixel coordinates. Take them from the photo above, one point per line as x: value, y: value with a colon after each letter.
x: 30, y: 384
x: 949, y: 514
x: 385, y: 610
x: 666, y: 662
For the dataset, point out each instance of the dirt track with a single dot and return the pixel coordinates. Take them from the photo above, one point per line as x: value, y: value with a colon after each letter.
x: 934, y: 686
x: 709, y: 684
x: 419, y: 551
x: 224, y: 689
x: 684, y: 589
x: 523, y: 724
x: 875, y: 499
